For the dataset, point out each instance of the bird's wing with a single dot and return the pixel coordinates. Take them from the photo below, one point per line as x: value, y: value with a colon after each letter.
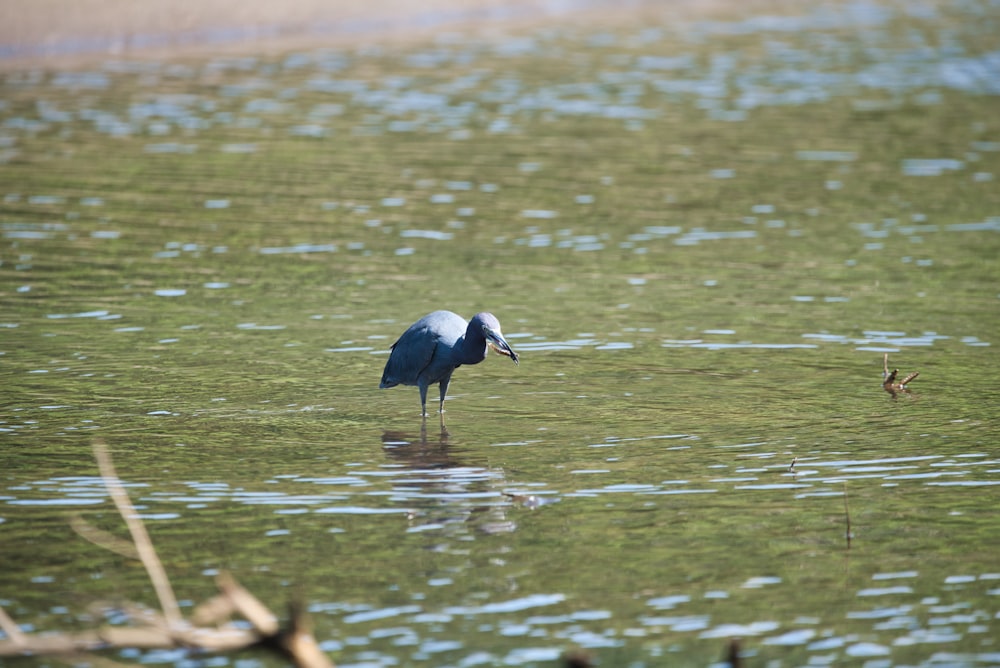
x: 411, y: 354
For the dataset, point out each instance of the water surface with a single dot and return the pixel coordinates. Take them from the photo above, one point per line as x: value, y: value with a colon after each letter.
x: 701, y: 239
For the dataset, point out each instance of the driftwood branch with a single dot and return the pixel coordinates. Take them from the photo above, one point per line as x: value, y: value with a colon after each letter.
x: 209, y: 629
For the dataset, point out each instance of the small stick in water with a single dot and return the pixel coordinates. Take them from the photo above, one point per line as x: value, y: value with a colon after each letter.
x: 847, y: 515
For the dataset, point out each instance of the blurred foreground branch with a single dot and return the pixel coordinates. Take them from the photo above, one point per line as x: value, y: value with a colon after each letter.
x: 210, y: 628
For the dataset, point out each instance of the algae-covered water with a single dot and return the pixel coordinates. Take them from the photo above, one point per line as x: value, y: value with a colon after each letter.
x: 701, y: 238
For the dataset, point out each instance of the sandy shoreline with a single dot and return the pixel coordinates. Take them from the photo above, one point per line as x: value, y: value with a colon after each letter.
x: 56, y: 33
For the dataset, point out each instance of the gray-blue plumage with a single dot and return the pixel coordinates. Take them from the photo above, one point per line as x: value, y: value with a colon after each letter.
x: 437, y: 344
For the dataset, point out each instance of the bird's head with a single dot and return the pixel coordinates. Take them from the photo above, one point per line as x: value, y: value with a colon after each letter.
x: 494, y: 337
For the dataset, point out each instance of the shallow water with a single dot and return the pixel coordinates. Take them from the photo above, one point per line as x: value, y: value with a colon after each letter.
x: 701, y: 239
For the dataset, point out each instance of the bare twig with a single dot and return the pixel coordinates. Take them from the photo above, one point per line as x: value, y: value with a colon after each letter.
x: 102, y: 538
x: 146, y: 637
x: 63, y: 643
x: 213, y: 611
x: 143, y: 544
x: 261, y: 619
x: 11, y: 629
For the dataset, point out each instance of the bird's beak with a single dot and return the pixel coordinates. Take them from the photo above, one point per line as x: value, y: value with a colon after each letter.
x: 496, y: 341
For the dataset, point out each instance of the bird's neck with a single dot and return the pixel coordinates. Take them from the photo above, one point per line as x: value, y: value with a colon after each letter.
x: 472, y: 348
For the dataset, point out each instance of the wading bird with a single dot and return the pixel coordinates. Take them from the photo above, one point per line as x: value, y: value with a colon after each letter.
x: 437, y: 344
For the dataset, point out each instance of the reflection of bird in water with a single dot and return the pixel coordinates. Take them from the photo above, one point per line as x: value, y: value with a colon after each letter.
x: 889, y: 383
x: 443, y: 493
x: 437, y: 344
x: 419, y: 453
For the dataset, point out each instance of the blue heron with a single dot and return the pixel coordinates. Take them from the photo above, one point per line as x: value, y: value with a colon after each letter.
x: 437, y: 344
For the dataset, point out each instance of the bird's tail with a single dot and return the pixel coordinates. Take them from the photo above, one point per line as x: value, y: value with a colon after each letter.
x: 387, y: 381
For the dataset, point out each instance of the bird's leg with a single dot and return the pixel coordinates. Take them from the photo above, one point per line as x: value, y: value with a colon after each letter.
x: 423, y: 398
x: 444, y: 391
